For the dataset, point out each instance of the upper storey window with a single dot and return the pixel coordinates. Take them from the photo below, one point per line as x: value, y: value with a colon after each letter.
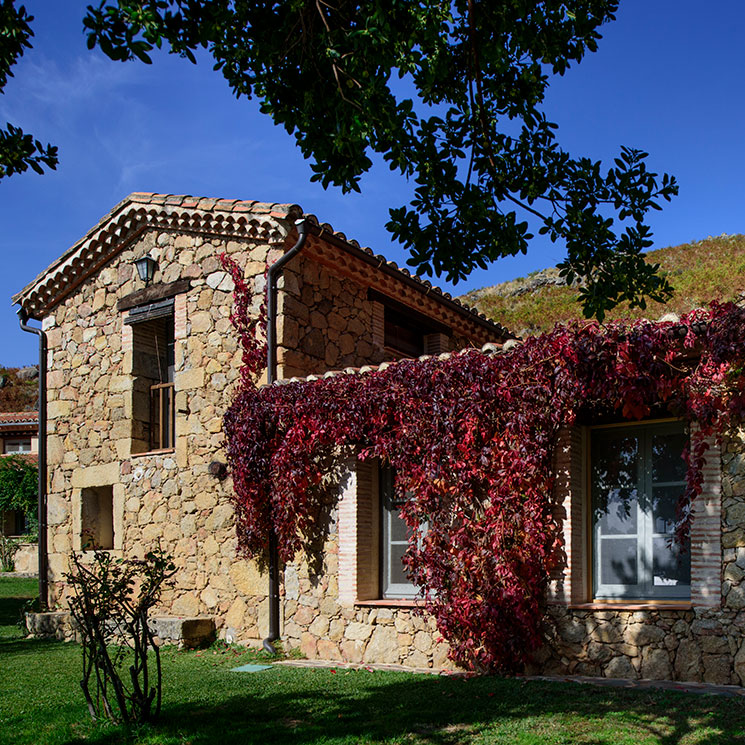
x: 406, y: 332
x: 153, y: 419
x: 403, y: 336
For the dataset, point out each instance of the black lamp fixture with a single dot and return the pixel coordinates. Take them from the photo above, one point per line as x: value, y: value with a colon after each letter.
x: 146, y: 268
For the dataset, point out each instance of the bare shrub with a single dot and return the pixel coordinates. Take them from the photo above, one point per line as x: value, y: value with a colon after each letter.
x: 111, y: 601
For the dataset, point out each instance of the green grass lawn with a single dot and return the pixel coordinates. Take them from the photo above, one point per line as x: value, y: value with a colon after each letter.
x: 204, y: 702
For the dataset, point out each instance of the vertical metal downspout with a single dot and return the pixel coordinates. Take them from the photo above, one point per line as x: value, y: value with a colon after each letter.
x: 271, y: 374
x: 42, y: 455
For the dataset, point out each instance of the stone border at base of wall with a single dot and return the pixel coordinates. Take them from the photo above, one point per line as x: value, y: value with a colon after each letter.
x: 189, y: 632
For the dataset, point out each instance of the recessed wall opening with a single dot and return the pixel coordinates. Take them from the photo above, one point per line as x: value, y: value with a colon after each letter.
x: 406, y: 332
x: 152, y: 370
x: 97, y: 518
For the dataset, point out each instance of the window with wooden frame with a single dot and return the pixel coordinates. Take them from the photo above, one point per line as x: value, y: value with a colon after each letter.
x: 407, y: 332
x: 153, y: 409
x: 636, y: 477
x: 394, y: 580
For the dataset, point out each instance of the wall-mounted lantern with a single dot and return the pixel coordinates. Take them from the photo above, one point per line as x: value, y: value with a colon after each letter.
x: 146, y: 268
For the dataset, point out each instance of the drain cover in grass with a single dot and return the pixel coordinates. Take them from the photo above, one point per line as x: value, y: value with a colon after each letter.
x: 250, y: 668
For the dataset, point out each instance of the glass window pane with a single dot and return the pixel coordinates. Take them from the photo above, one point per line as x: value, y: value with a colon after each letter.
x: 670, y: 565
x: 619, y: 512
x: 615, y: 476
x: 667, y: 463
x: 664, y: 506
x: 396, y: 571
x: 618, y: 564
x: 399, y: 531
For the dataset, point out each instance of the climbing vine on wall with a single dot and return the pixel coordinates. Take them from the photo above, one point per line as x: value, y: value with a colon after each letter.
x: 472, y: 438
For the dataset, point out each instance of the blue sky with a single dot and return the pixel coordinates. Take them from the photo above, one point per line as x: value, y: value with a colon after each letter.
x: 667, y: 79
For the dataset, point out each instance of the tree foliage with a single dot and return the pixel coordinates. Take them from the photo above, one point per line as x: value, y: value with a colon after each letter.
x: 19, y: 151
x: 450, y: 95
x: 19, y: 485
x: 472, y: 438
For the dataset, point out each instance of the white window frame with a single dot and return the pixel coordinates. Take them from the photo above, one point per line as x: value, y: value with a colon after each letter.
x: 390, y: 512
x: 645, y: 589
x: 18, y: 445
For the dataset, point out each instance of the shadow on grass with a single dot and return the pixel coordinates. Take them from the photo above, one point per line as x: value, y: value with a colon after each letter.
x: 11, y: 609
x: 426, y: 710
x: 20, y: 645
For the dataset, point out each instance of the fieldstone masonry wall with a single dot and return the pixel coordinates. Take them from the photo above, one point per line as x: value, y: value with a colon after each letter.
x: 691, y: 645
x: 328, y: 323
x: 169, y: 496
x: 323, y: 627
x: 337, y: 614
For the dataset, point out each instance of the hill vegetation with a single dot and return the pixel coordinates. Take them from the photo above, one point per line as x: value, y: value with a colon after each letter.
x: 701, y: 271
x: 19, y: 389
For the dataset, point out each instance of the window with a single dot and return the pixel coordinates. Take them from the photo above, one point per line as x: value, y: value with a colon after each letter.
x: 13, y: 522
x: 152, y: 367
x: 403, y: 337
x: 18, y: 446
x: 405, y: 332
x: 97, y: 518
x: 394, y: 581
x: 372, y: 537
x: 637, y: 475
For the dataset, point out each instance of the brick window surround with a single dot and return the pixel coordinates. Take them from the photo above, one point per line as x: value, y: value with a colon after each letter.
x: 359, y: 532
x: 570, y: 582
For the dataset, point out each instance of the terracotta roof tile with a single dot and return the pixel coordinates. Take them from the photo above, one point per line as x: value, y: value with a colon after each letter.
x: 489, y: 348
x: 19, y: 417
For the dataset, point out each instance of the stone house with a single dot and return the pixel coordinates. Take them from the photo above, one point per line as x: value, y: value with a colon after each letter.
x: 138, y: 378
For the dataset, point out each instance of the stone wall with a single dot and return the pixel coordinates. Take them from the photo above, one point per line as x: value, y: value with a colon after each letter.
x: 167, y: 497
x: 322, y: 626
x: 326, y: 322
x: 26, y: 559
x: 329, y: 323
x: 689, y: 645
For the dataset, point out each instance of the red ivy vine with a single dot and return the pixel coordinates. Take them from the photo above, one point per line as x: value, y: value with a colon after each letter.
x: 472, y: 439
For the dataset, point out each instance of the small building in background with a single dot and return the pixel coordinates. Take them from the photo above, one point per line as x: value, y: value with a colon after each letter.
x: 18, y: 436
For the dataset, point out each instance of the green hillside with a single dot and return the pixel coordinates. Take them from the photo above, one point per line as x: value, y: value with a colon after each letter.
x: 710, y: 269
